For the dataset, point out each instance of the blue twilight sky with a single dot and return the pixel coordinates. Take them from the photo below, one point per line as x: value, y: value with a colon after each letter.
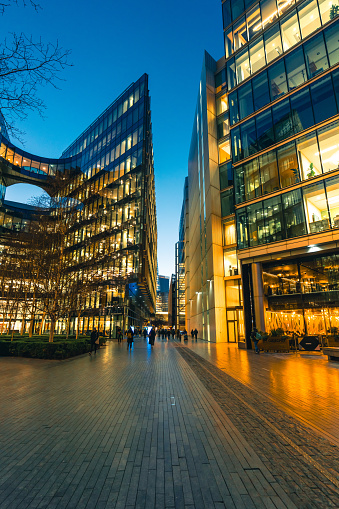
x: 113, y: 43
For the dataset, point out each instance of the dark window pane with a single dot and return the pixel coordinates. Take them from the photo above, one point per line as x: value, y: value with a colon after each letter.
x: 273, y: 217
x: 265, y: 132
x: 315, y: 56
x: 261, y: 94
x: 237, y: 7
x: 227, y: 203
x: 236, y: 145
x: 332, y: 42
x: 283, y: 126
x: 239, y: 184
x: 248, y: 138
x: 231, y: 74
x: 239, y: 34
x: 335, y: 80
x: 294, y: 216
x: 252, y: 179
x: 223, y: 175
x: 226, y: 13
x: 220, y: 81
x: 288, y: 165
x: 295, y: 68
x: 245, y: 100
x: 228, y: 42
x: 233, y: 104
x: 277, y: 80
x: 255, y: 224
x: 301, y: 110
x: 324, y: 104
x: 269, y: 172
x: 223, y: 125
x: 253, y: 19
x: 242, y: 228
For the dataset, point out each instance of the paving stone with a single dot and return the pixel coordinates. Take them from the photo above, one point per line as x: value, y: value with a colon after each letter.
x: 146, y: 429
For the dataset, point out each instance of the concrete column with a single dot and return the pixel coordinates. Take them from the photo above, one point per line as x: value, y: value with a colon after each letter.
x: 258, y: 296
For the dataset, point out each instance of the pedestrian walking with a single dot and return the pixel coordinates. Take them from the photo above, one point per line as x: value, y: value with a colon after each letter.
x: 195, y: 334
x: 94, y: 341
x: 129, y: 338
x: 192, y: 334
x: 151, y: 336
x: 256, y: 337
x: 120, y: 335
x: 185, y: 335
x: 145, y: 333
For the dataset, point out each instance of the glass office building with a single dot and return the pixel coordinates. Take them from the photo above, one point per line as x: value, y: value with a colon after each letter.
x: 266, y: 141
x: 282, y: 73
x: 111, y: 175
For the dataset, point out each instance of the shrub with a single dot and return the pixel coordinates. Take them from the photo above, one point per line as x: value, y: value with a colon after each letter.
x: 44, y: 350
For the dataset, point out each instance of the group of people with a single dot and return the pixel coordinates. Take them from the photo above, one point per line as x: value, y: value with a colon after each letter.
x: 130, y: 336
x: 165, y: 333
x: 194, y: 334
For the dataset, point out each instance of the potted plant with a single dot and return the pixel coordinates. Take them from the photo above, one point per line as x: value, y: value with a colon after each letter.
x: 311, y: 171
x: 334, y: 11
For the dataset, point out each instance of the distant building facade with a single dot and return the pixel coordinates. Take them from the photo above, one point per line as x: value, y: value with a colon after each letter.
x: 162, y: 298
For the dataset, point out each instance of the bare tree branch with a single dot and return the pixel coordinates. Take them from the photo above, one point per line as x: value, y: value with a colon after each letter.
x: 26, y: 65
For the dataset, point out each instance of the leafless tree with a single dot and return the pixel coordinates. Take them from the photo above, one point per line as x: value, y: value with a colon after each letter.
x: 26, y: 64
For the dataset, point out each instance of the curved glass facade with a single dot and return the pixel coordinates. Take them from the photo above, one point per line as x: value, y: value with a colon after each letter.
x: 110, y: 169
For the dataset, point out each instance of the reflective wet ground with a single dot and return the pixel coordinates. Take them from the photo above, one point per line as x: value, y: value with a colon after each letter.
x: 305, y: 385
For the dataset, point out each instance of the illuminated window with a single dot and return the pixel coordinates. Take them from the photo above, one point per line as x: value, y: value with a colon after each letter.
x: 230, y: 263
x: 224, y: 151
x: 290, y: 31
x: 308, y: 17
x: 222, y: 104
x: 230, y: 233
x: 329, y: 147
x: 316, y: 208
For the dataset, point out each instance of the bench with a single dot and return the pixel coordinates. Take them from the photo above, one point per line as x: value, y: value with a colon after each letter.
x: 332, y: 353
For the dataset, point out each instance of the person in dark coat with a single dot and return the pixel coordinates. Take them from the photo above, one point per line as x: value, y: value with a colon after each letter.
x: 195, y: 334
x: 151, y: 336
x: 129, y: 338
x: 94, y: 338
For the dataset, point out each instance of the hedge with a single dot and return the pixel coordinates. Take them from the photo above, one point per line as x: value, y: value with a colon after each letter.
x: 44, y: 350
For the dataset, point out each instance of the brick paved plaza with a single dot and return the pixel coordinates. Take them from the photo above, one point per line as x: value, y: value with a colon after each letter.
x: 181, y: 426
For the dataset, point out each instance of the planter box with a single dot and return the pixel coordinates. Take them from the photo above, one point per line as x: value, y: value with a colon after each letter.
x: 280, y: 344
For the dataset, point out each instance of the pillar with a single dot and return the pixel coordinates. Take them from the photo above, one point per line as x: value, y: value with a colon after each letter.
x: 258, y: 296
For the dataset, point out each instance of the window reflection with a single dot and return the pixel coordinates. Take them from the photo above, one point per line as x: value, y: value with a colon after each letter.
x: 239, y: 34
x: 254, y: 22
x: 288, y: 165
x: 269, y: 172
x: 315, y: 55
